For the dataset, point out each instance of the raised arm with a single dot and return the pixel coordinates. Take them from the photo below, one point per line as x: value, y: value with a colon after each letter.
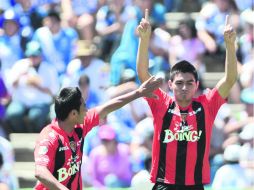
x: 225, y: 84
x: 144, y: 32
x: 146, y: 89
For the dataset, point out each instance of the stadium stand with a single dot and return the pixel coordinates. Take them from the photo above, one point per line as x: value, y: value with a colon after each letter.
x: 23, y: 145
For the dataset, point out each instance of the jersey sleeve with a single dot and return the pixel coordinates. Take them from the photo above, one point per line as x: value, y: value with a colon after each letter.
x: 45, y: 148
x: 90, y: 120
x: 156, y: 104
x: 214, y: 101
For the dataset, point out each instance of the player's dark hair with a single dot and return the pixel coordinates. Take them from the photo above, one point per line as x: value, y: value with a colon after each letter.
x: 68, y: 99
x: 183, y: 67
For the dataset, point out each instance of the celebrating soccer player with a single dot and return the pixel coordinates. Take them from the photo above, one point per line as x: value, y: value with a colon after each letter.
x: 182, y: 123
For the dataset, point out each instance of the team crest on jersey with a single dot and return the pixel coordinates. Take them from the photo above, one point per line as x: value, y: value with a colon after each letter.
x: 73, y: 146
x: 181, y: 127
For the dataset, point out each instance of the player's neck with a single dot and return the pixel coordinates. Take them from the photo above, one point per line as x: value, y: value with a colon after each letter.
x: 183, y: 104
x: 66, y: 126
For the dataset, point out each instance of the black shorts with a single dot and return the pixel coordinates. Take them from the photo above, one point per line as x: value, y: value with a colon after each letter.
x: 164, y: 186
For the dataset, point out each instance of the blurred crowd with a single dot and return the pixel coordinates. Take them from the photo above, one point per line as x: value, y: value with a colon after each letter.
x: 49, y: 44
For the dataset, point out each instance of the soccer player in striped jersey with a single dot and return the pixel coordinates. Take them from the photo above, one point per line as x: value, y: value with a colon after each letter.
x: 182, y: 123
x: 58, y: 150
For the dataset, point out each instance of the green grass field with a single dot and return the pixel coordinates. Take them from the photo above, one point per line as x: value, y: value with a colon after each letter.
x: 207, y: 188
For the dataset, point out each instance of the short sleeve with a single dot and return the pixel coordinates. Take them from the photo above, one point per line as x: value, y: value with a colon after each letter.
x: 45, y: 149
x: 155, y: 104
x: 214, y: 100
x: 91, y: 120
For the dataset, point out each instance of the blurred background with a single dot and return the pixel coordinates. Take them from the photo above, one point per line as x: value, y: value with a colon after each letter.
x: 46, y: 45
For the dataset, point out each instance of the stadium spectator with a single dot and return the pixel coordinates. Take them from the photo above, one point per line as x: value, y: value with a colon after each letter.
x: 88, y: 94
x: 86, y: 62
x: 246, y: 40
x: 7, y: 174
x: 129, y: 115
x: 4, y: 100
x: 10, y: 41
x: 247, y: 151
x: 244, y: 117
x: 57, y: 42
x: 110, y: 165
x: 34, y: 83
x: 236, y: 174
x: 210, y: 23
x: 219, y: 135
x: 125, y: 55
x: 3, y: 184
x: 81, y: 15
x: 141, y: 144
x: 141, y: 180
x: 185, y: 40
x: 110, y: 20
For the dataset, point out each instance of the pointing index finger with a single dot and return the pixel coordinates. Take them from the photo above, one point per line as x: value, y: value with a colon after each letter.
x: 227, y: 20
x: 146, y: 14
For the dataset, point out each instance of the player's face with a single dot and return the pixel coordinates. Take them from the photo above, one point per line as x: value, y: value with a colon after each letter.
x: 184, y: 87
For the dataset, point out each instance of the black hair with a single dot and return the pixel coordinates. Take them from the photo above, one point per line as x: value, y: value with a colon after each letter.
x: 183, y: 67
x: 190, y: 23
x: 83, y: 79
x: 54, y: 14
x: 68, y: 99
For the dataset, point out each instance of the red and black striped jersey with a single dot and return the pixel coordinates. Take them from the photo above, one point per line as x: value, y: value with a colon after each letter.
x: 181, y: 145
x: 62, y: 153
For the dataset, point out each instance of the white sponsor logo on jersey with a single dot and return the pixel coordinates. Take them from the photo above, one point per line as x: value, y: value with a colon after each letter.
x: 63, y: 148
x: 74, y: 166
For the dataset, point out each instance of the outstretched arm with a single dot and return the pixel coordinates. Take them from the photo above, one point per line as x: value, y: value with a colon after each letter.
x: 146, y: 89
x: 144, y: 32
x: 226, y: 83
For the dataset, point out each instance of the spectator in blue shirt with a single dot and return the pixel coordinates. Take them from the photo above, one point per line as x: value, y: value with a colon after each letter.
x: 57, y: 42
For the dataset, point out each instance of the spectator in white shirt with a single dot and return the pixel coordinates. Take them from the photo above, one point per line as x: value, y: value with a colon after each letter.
x: 231, y: 175
x: 34, y: 83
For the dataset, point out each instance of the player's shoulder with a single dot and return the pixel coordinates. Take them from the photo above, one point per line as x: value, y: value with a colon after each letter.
x: 48, y: 133
x: 161, y: 94
x: 205, y: 94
